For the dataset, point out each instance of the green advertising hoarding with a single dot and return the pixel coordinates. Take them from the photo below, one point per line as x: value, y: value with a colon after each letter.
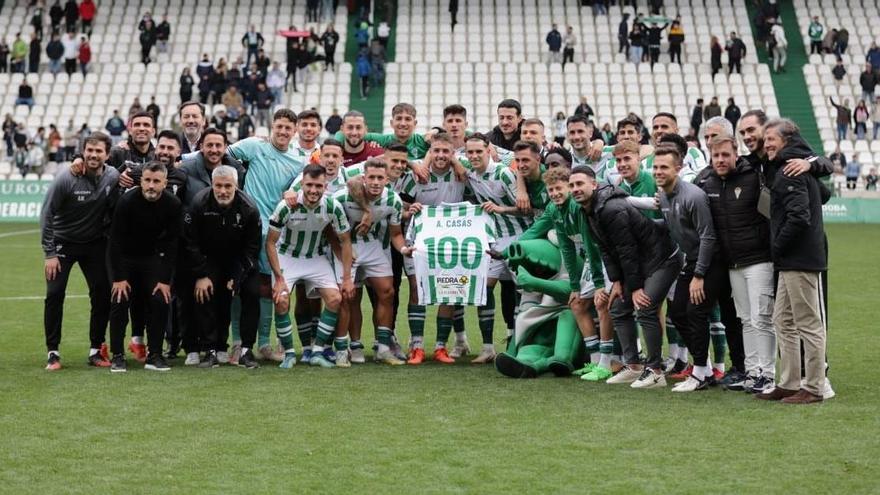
x: 21, y: 200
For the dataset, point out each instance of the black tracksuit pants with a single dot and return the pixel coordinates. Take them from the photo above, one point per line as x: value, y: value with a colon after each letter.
x: 142, y: 279
x: 212, y: 317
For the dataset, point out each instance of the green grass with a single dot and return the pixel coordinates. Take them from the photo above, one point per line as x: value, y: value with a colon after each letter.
x: 374, y: 429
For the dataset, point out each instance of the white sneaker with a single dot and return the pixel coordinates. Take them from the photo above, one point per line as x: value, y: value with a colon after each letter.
x: 649, y: 379
x: 626, y: 375
x: 342, y: 359
x: 692, y: 384
x: 357, y: 356
x: 460, y: 349
x: 387, y: 357
x: 487, y: 355
x: 192, y: 359
x: 223, y: 357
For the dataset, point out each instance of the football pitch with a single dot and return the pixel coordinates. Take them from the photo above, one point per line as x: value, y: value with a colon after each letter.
x: 427, y: 429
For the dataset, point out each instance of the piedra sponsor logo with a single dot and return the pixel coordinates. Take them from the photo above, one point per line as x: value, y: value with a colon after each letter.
x: 458, y: 280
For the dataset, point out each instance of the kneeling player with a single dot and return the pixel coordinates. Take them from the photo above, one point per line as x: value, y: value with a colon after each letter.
x: 297, y: 252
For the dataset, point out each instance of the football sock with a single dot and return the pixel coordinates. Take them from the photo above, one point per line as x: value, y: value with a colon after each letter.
x: 458, y: 324
x: 341, y: 343
x: 326, y: 327
x: 444, y: 328
x: 416, y: 316
x: 486, y: 315
x: 284, y: 329
x: 266, y: 309
x: 235, y: 318
x: 304, y: 329
x: 592, y: 346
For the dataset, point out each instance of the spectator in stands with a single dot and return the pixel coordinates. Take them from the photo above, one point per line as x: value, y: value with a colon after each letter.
x: 362, y: 36
x: 55, y: 145
x: 838, y: 159
x: 377, y: 63
x: 871, y: 180
x: 85, y: 55
x: 875, y: 117
x: 275, y: 80
x: 867, y: 81
x: 204, y: 69
x: 37, y: 22
x: 71, y: 15
x: 296, y: 61
x: 383, y: 32
x: 4, y: 56
x: 264, y: 102
x: 334, y: 123
x: 163, y: 34
x: 623, y: 35
x: 828, y: 41
x: 608, y: 134
x: 153, y: 109
x: 246, y: 127
x: 71, y: 140
x: 584, y: 109
x: 736, y: 51
x: 56, y: 14
x: 233, y: 101
x: 186, y: 85
x: 87, y: 11
x: 655, y: 35
x: 676, y: 39
x: 252, y: 41
x: 636, y: 47
x: 841, y: 41
x: 147, y: 37
x: 873, y: 58
x: 715, y: 51
x: 25, y: 95
x: 713, y: 109
x: 54, y: 50
x: 453, y: 13
x: 249, y: 92
x: 18, y: 55
x: 554, y: 44
x: 853, y: 170
x: 570, y: 41
x: 780, y: 47
x: 839, y: 71
x: 844, y: 117
x: 329, y: 39
x: 363, y: 67
x: 732, y: 112
x: 115, y: 126
x: 135, y: 107
x: 861, y: 114
x: 218, y: 82
x: 34, y: 52
x: 9, y: 126
x: 697, y: 115
x: 312, y: 10
x: 815, y: 32
x: 71, y: 52
x: 263, y: 64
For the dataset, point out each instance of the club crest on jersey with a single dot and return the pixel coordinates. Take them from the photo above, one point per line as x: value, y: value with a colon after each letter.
x: 737, y: 192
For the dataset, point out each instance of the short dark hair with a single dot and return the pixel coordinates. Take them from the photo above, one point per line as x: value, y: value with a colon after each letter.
x: 314, y: 171
x: 758, y: 114
x: 375, y: 162
x: 143, y: 114
x: 284, y: 113
x: 455, y: 109
x: 559, y: 150
x: 583, y: 169
x: 397, y: 147
x: 478, y: 136
x: 669, y: 149
x: 155, y: 166
x: 189, y: 103
x: 675, y: 140
x: 331, y: 142
x: 213, y: 131
x: 574, y: 119
x: 99, y: 137
x: 527, y: 145
x: 665, y: 114
x: 511, y: 103
x: 309, y: 114
x: 630, y: 121
x: 169, y: 134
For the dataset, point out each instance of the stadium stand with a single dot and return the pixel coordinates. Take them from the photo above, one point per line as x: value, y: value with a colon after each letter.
x: 860, y: 22
x: 116, y: 75
x: 496, y: 60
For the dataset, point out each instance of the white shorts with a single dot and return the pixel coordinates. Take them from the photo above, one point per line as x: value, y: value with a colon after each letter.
x: 371, y: 261
x: 498, y: 269
x: 588, y: 287
x: 315, y: 273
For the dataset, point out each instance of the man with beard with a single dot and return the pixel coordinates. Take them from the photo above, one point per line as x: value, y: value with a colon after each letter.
x: 356, y: 149
x: 693, y: 161
x: 198, y: 166
x: 142, y: 252
x: 507, y: 132
x: 308, y: 128
x: 403, y: 123
x: 222, y: 232
x: 192, y: 119
x: 73, y: 230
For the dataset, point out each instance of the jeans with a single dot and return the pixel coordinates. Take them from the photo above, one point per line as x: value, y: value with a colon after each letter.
x: 876, y: 128
x: 555, y: 57
x: 861, y: 129
x: 327, y: 11
x: 656, y: 286
x: 252, y: 51
x: 754, y: 294
x: 635, y: 54
x: 55, y: 65
x: 277, y: 95
x: 841, y: 131
x: 25, y: 101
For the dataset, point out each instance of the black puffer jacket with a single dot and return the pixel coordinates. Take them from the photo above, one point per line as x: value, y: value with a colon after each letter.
x: 742, y: 232
x: 497, y: 138
x: 796, y: 228
x: 632, y: 245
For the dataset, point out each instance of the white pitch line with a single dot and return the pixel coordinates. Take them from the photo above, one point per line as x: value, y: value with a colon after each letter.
x: 19, y: 232
x: 34, y: 298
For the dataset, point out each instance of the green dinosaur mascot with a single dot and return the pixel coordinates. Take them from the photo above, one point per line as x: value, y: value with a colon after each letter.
x: 546, y: 336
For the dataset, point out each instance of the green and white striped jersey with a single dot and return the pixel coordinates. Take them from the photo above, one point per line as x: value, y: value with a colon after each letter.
x: 602, y: 166
x: 334, y: 184
x: 387, y: 210
x: 693, y: 162
x: 441, y: 188
x: 302, y: 228
x: 498, y: 185
x: 358, y: 169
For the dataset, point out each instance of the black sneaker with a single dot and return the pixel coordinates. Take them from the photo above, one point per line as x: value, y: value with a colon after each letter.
x: 734, y: 380
x: 210, y: 360
x: 172, y: 353
x: 248, y: 361
x: 156, y: 362
x: 762, y: 384
x: 117, y: 365
x: 54, y: 362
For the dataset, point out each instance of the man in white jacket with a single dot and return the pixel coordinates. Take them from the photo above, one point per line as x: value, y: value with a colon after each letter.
x: 780, y: 47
